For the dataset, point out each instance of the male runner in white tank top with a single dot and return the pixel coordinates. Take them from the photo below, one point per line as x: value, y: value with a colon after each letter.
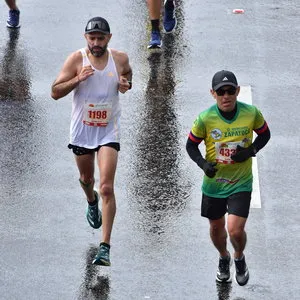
x: 96, y: 74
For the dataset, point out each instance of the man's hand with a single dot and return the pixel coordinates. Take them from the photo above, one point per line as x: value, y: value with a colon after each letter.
x: 124, y: 85
x: 243, y: 154
x: 209, y: 169
x: 85, y: 72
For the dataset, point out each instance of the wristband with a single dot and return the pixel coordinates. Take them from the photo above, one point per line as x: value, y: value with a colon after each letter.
x: 130, y: 84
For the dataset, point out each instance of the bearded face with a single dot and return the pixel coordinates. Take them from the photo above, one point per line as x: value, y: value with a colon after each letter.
x: 97, y: 51
x: 97, y: 43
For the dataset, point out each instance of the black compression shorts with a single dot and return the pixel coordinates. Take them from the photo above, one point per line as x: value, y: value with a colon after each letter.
x: 81, y: 150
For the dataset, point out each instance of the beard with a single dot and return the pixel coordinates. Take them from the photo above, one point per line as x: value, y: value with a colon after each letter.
x: 97, y: 51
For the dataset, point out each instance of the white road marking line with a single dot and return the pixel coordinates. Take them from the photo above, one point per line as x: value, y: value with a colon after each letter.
x: 246, y: 96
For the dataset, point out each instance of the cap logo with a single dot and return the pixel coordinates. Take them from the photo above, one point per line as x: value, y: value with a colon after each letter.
x: 225, y: 79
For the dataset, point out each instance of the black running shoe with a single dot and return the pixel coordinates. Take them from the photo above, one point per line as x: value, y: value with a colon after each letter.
x: 242, y: 273
x: 223, y: 273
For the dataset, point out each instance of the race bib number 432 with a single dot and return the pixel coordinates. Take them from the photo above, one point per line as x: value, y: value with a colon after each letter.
x: 96, y: 114
x: 225, y: 150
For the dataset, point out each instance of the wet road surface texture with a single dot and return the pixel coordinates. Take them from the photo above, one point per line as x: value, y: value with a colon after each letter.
x: 160, y: 245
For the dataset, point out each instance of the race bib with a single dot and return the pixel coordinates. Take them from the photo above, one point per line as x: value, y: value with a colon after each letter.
x: 97, y: 114
x: 225, y: 150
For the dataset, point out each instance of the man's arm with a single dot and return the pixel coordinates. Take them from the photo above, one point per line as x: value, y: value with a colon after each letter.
x: 125, y: 71
x: 262, y: 138
x: 192, y: 149
x: 260, y: 141
x: 68, y: 77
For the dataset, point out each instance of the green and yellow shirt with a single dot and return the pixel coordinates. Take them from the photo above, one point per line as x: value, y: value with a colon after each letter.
x: 221, y: 137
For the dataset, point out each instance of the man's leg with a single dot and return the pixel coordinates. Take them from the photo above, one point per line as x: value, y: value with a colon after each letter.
x: 215, y: 209
x: 13, y: 14
x: 238, y: 239
x: 86, y: 167
x: 11, y: 4
x: 237, y: 234
x: 238, y: 210
x: 154, y: 7
x: 218, y: 235
x: 107, y: 162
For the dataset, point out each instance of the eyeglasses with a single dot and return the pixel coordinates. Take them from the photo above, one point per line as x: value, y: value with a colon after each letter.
x: 97, y: 25
x: 221, y: 92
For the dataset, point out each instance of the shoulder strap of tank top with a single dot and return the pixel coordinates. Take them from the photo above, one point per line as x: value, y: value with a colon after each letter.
x: 109, y: 54
x: 85, y: 60
x: 111, y: 60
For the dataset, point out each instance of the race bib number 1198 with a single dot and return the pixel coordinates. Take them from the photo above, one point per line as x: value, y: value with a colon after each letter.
x: 96, y: 114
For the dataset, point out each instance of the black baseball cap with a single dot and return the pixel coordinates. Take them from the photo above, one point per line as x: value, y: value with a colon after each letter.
x: 223, y: 78
x: 97, y: 24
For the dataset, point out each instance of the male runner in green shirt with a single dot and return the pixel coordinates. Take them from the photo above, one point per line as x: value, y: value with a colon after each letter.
x: 227, y: 130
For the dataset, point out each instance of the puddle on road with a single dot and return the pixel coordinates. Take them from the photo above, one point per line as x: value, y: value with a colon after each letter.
x: 94, y: 285
x: 158, y: 186
x: 15, y: 81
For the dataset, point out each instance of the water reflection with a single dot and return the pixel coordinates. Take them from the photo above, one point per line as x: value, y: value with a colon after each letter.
x: 159, y: 186
x: 18, y: 119
x: 94, y: 286
x: 14, y: 75
x: 223, y: 290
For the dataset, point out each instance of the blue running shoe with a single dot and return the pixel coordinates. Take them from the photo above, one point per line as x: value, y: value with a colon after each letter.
x: 13, y: 19
x: 102, y: 257
x: 93, y: 214
x: 170, y: 20
x: 155, y: 41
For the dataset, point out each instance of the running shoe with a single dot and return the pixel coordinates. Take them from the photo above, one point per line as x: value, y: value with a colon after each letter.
x: 102, y: 257
x: 242, y: 273
x: 223, y: 273
x: 13, y: 19
x: 93, y: 214
x: 155, y: 41
x: 170, y: 20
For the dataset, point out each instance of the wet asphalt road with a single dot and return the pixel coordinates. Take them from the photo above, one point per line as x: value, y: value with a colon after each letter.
x: 160, y: 245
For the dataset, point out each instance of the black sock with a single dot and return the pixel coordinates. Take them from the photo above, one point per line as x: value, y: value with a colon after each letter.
x: 92, y: 203
x: 169, y: 4
x: 105, y: 244
x: 240, y: 258
x: 155, y: 25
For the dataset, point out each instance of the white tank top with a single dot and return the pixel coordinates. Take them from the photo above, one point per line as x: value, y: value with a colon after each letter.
x: 99, y: 89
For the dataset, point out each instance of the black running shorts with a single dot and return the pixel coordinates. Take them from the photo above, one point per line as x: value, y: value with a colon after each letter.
x: 81, y: 150
x: 236, y: 204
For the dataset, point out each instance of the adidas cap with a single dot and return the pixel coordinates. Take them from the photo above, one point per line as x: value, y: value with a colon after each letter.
x: 223, y: 78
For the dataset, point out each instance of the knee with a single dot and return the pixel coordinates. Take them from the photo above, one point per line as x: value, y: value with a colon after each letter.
x: 236, y: 233
x: 216, y: 229
x: 106, y: 190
